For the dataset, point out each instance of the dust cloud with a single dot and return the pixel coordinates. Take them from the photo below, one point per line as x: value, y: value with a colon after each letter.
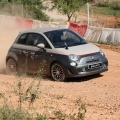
x: 8, y: 34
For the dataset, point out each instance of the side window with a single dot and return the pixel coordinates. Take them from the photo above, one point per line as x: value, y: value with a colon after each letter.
x: 32, y: 38
x: 22, y: 39
x: 41, y: 39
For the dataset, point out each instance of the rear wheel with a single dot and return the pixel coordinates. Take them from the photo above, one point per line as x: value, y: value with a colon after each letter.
x: 57, y: 72
x: 11, y: 66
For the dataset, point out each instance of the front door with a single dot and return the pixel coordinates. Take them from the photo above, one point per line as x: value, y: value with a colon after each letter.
x: 37, y: 59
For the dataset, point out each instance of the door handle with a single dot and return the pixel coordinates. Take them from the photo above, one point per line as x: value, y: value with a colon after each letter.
x: 25, y: 52
x: 32, y: 55
x: 20, y: 52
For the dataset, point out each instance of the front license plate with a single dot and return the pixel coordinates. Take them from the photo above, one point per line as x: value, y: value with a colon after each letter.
x: 95, y: 66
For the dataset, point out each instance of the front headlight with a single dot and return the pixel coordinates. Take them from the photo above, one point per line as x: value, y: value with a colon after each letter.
x: 73, y: 57
x: 102, y: 53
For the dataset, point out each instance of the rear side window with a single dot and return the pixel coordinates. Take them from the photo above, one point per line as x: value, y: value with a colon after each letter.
x: 32, y: 39
x: 22, y: 39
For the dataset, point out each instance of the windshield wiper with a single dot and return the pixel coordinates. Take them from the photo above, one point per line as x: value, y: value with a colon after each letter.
x: 79, y: 43
x: 60, y: 46
x: 64, y: 45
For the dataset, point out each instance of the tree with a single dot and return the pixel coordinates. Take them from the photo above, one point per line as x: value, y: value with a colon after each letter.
x: 35, y: 8
x: 68, y: 7
x: 31, y: 8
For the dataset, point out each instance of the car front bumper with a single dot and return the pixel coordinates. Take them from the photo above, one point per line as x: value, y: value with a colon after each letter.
x: 84, y: 70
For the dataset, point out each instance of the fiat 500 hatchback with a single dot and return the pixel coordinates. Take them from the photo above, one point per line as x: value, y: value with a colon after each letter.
x: 65, y: 54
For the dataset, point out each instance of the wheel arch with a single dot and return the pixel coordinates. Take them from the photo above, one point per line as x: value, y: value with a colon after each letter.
x: 55, y: 62
x: 12, y: 56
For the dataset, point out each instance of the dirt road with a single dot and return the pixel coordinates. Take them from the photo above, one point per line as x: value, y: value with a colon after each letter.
x: 100, y: 94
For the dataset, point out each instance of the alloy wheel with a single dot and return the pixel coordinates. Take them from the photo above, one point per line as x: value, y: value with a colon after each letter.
x: 57, y: 72
x: 11, y: 66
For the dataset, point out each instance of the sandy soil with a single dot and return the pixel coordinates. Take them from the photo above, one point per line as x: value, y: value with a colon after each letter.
x: 100, y: 94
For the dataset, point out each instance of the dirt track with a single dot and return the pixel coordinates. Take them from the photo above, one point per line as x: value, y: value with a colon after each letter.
x: 100, y: 94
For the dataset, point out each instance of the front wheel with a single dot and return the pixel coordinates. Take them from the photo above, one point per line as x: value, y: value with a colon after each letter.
x: 57, y: 72
x: 11, y: 66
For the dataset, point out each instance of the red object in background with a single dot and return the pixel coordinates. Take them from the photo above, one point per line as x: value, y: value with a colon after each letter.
x: 23, y: 23
x: 80, y: 29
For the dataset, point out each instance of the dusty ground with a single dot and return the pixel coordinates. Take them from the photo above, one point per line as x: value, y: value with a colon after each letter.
x: 101, y: 95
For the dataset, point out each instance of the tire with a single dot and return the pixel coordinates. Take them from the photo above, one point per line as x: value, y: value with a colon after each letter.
x: 11, y: 66
x: 57, y: 72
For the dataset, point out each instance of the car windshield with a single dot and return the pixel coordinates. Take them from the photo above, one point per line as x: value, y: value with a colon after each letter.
x: 64, y: 38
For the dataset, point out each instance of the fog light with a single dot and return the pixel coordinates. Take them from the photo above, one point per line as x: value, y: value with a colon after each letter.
x: 83, y: 69
x: 73, y: 64
x: 104, y: 66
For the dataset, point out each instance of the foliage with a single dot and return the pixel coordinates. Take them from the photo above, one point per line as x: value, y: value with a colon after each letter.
x: 41, y: 117
x: 104, y: 11
x: 30, y: 94
x: 68, y: 7
x: 35, y: 8
x: 102, y: 3
x: 80, y: 115
x: 60, y: 115
x: 9, y: 113
x: 32, y: 8
x: 25, y: 93
x: 81, y: 111
x: 115, y: 5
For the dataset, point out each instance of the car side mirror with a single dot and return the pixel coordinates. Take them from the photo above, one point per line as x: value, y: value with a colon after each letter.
x: 41, y: 45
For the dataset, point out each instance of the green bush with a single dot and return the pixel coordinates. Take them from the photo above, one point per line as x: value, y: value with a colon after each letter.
x: 60, y: 115
x: 9, y: 113
x: 41, y: 117
x: 115, y: 5
x: 102, y: 3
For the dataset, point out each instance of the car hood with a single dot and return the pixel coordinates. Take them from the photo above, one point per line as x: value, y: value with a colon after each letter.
x: 78, y: 50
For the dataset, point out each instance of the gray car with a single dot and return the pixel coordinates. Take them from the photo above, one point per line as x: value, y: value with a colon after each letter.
x: 58, y: 52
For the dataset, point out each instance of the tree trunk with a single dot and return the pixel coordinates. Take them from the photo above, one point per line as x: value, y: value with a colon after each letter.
x: 69, y: 16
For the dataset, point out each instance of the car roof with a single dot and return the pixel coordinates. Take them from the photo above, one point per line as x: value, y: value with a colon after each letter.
x: 42, y: 30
